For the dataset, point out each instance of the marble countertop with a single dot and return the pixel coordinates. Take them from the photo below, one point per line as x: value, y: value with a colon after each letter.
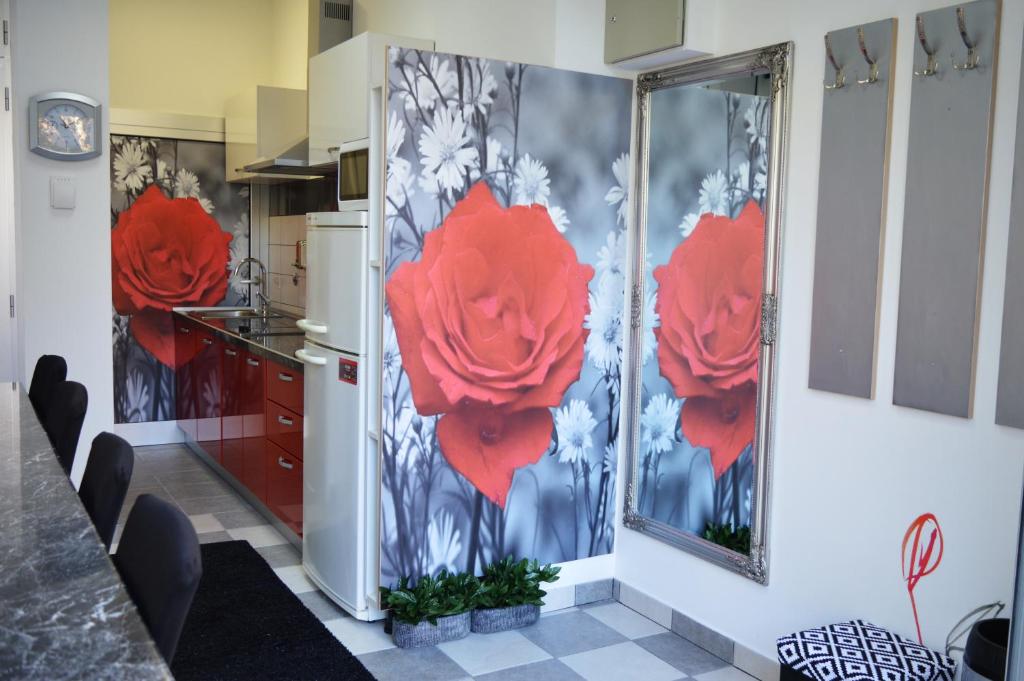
x: 64, y: 613
x: 279, y: 348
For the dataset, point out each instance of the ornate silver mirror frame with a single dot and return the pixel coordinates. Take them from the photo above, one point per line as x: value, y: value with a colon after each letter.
x: 773, y: 61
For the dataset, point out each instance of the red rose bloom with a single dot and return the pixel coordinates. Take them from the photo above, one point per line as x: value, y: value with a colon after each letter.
x: 709, y: 304
x: 165, y: 253
x: 490, y: 329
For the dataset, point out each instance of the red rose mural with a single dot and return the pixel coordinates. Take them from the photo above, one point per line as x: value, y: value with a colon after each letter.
x: 709, y: 304
x: 490, y: 326
x: 165, y: 253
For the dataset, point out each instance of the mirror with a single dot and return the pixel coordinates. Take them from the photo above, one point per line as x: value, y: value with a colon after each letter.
x: 711, y: 138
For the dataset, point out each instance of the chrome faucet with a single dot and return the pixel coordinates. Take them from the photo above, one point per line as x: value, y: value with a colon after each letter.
x: 260, y: 280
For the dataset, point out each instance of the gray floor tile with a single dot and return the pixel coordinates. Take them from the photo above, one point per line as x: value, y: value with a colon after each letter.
x: 197, y: 490
x: 422, y: 664
x: 622, y: 662
x: 192, y: 475
x: 169, y: 464
x: 681, y: 654
x: 246, y: 517
x: 215, y: 505
x: 322, y: 606
x: 573, y: 632
x: 213, y: 537
x: 485, y: 653
x: 282, y: 555
x: 548, y: 670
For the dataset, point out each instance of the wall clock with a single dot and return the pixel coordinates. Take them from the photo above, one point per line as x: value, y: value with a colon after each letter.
x: 65, y: 126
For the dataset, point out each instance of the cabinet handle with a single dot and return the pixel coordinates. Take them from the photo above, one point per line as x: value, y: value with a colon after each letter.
x: 252, y: 362
x: 287, y: 378
x: 284, y: 420
x: 184, y: 329
x: 208, y: 341
x: 285, y: 464
x: 230, y: 353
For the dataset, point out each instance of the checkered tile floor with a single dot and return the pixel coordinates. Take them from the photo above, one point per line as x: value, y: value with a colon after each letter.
x: 604, y: 641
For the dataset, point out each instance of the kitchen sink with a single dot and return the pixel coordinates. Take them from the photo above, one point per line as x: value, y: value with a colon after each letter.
x: 261, y: 334
x: 239, y: 314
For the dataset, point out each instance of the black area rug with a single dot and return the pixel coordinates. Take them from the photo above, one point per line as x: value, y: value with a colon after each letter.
x: 245, y: 624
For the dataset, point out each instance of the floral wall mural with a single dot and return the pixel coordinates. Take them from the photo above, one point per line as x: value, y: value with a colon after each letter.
x: 178, y: 228
x: 704, y: 270
x: 505, y: 249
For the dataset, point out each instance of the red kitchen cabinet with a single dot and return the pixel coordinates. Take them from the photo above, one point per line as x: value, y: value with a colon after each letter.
x: 208, y: 380
x: 184, y: 383
x: 284, y: 428
x: 254, y: 428
x: 284, y: 486
x: 284, y: 386
x: 231, y: 398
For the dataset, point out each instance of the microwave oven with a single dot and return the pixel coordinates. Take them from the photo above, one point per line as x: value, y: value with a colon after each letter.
x: 353, y: 171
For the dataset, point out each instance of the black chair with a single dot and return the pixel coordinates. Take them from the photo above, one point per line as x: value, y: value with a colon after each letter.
x: 65, y: 413
x: 105, y: 483
x: 158, y: 558
x: 50, y: 371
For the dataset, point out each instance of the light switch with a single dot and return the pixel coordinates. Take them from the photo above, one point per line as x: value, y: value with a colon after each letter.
x: 62, y: 192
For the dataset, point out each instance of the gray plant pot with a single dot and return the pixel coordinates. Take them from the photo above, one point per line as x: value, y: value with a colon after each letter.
x: 491, y: 620
x: 426, y: 634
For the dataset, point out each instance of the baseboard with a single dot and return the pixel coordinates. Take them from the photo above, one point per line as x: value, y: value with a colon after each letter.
x: 562, y: 597
x: 714, y: 642
x: 150, y: 433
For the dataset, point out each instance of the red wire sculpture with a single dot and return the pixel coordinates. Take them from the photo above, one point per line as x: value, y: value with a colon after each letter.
x: 922, y: 553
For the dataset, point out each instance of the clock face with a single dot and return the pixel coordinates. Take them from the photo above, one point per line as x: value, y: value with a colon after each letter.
x: 66, y: 127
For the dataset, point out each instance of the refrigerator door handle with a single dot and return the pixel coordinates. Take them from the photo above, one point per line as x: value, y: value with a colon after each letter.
x: 310, y: 326
x: 304, y: 356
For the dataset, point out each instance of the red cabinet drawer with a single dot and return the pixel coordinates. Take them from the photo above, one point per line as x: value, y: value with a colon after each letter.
x: 284, y: 386
x: 284, y: 428
x: 254, y: 425
x: 184, y: 380
x: 284, y: 486
x: 231, y: 397
x: 208, y: 381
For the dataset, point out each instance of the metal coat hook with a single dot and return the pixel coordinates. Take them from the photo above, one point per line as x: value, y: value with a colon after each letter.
x: 840, y: 79
x: 973, y: 59
x: 872, y: 63
x: 931, y: 67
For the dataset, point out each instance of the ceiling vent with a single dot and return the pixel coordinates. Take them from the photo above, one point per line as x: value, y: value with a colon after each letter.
x: 330, y: 23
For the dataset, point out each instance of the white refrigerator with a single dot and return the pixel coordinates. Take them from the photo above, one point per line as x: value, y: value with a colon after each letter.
x: 340, y: 542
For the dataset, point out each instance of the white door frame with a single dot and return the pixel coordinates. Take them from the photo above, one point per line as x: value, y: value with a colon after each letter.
x: 8, y: 335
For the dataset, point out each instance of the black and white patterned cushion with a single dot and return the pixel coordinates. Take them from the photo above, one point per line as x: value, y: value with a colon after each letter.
x: 860, y: 651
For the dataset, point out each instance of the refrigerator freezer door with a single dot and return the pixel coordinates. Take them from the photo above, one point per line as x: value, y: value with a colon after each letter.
x: 334, y: 551
x: 336, y: 274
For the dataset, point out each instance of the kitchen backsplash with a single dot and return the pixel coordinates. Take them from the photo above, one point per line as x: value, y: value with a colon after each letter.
x: 287, y: 282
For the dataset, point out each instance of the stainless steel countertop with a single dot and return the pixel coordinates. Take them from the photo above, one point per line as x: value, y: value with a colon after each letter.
x: 278, y: 348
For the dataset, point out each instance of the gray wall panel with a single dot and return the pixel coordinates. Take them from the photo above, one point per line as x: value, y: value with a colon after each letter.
x: 1010, y: 401
x: 851, y: 206
x: 943, y: 223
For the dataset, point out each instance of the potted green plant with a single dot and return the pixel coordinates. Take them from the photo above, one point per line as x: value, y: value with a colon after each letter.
x: 435, y: 610
x: 511, y: 595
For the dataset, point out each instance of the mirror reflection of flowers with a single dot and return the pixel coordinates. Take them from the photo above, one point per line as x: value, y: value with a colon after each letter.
x: 490, y: 328
x: 709, y: 303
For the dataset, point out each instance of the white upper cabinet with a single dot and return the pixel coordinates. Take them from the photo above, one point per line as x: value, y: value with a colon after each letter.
x: 340, y: 80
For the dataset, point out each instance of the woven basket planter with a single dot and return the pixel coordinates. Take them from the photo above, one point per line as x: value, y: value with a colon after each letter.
x: 447, y: 628
x: 491, y: 620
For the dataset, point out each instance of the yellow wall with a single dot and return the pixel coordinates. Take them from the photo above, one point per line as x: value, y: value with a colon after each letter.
x: 189, y: 56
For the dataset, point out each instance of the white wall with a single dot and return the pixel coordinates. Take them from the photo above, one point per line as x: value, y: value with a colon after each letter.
x: 189, y: 56
x: 850, y: 475
x: 63, y: 255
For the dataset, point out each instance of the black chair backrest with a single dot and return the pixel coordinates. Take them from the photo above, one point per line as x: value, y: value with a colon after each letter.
x: 105, y: 483
x: 50, y: 371
x: 158, y: 558
x: 63, y: 421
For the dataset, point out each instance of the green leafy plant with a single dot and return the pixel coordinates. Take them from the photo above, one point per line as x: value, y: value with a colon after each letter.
x: 509, y: 582
x: 431, y: 597
x: 737, y: 540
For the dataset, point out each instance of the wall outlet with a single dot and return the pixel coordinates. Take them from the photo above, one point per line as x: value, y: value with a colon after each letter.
x: 62, y: 192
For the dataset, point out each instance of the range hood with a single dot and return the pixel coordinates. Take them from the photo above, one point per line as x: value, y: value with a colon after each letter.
x: 330, y: 23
